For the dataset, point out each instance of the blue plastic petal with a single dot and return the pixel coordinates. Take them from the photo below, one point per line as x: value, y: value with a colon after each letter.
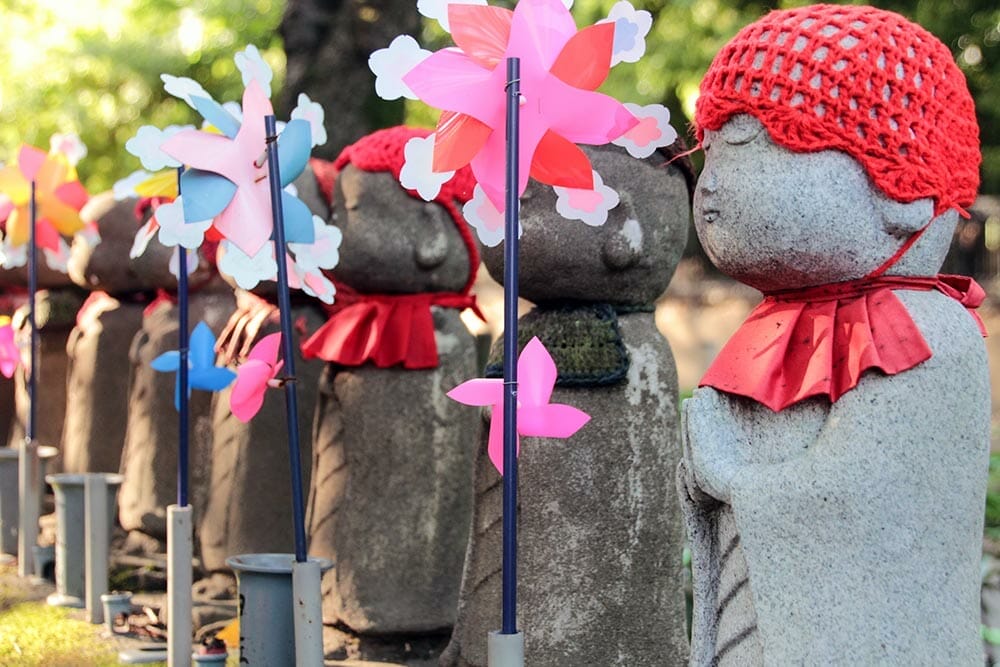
x: 202, y: 346
x: 216, y: 115
x: 167, y: 362
x: 298, y: 220
x: 294, y: 146
x: 205, y: 194
x: 212, y: 378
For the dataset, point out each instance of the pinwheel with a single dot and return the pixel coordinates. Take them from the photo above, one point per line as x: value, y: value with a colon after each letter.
x: 560, y: 69
x: 10, y: 356
x: 59, y: 196
x: 536, y: 416
x: 254, y: 376
x: 202, y: 372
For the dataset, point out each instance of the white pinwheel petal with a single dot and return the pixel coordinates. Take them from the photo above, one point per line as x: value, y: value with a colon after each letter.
x: 253, y: 68
x: 631, y: 28
x: 313, y: 112
x: 589, y: 206
x: 391, y: 64
x: 174, y: 231
x: 417, y: 172
x: 653, y: 130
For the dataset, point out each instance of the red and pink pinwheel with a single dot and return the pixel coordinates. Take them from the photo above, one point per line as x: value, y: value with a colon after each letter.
x: 254, y: 376
x: 561, y: 69
x: 536, y: 416
x: 10, y: 356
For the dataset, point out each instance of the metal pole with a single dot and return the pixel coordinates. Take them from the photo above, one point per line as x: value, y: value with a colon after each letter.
x: 287, y: 341
x: 182, y: 371
x: 29, y: 490
x: 509, y: 625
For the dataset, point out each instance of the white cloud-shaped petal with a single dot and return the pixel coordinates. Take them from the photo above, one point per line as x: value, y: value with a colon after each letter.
x: 653, y: 131
x: 253, y: 68
x: 183, y: 88
x: 175, y: 262
x: 589, y: 206
x: 68, y: 145
x: 89, y: 234
x: 417, y: 173
x: 245, y: 270
x: 313, y: 112
x: 174, y: 231
x: 125, y: 187
x: 313, y: 283
x: 14, y: 256
x: 235, y: 110
x: 146, y: 143
x: 324, y: 252
x: 484, y: 217
x: 57, y: 260
x: 142, y: 238
x: 391, y: 64
x: 631, y: 27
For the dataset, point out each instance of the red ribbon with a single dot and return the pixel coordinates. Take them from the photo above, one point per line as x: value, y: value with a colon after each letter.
x: 818, y: 341
x: 386, y: 329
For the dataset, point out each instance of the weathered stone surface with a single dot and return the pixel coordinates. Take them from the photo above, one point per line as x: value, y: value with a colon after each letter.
x: 106, y: 266
x: 600, y: 538
x: 249, y: 504
x: 391, y: 490
x: 844, y: 533
x: 390, y: 498
x: 55, y: 312
x: 97, y: 409
x: 149, y: 459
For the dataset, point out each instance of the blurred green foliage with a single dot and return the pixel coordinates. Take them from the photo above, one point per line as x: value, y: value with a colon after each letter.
x: 92, y: 66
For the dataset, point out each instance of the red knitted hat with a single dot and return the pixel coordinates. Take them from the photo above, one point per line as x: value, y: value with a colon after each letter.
x: 382, y: 150
x: 860, y: 80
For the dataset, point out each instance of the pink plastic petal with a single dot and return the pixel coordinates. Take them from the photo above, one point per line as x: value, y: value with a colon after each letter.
x: 30, y: 161
x: 481, y: 31
x: 478, y: 391
x: 247, y: 396
x: 266, y: 349
x: 536, y: 374
x: 555, y: 420
x: 561, y: 162
x: 73, y: 194
x: 448, y: 79
x: 457, y: 139
x: 606, y: 117
x: 539, y: 30
x: 586, y: 59
x: 495, y: 446
x: 6, y: 207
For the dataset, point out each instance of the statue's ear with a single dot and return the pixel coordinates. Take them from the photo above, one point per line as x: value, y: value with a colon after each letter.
x: 903, y: 219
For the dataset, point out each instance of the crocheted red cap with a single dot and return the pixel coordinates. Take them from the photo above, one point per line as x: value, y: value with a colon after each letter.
x: 860, y: 80
x: 382, y: 150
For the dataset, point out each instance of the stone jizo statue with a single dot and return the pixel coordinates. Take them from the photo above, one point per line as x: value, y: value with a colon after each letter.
x: 836, y: 453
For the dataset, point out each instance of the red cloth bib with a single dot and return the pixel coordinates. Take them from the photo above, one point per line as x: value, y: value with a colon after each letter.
x: 386, y: 329
x: 819, y: 340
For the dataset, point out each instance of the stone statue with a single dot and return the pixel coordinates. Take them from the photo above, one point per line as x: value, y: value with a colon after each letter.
x: 149, y: 457
x: 836, y: 453
x: 249, y: 506
x: 600, y: 536
x: 390, y: 497
x: 97, y: 349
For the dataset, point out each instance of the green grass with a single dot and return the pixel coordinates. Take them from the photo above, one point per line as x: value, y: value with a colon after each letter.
x: 33, y: 633
x: 993, y: 499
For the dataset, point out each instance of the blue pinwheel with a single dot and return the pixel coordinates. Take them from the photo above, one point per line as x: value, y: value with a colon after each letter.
x: 202, y: 372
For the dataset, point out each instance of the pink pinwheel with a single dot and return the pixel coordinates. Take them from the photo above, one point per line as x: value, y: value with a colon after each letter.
x: 254, y: 376
x: 10, y: 356
x: 536, y: 375
x: 228, y: 179
x: 560, y: 70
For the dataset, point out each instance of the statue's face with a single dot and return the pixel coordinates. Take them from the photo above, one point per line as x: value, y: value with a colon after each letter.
x: 629, y: 259
x: 393, y: 242
x: 776, y: 219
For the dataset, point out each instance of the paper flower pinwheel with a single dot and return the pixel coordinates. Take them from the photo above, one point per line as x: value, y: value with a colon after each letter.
x: 226, y: 195
x: 561, y: 68
x: 536, y: 416
x: 10, y: 356
x: 254, y: 376
x: 59, y: 196
x: 202, y: 372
